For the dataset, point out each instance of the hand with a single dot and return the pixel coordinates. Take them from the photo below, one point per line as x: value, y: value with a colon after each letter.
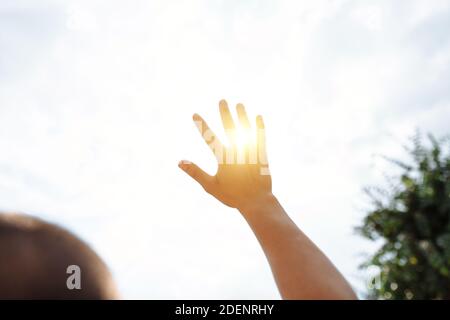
x: 242, y: 178
x: 242, y: 181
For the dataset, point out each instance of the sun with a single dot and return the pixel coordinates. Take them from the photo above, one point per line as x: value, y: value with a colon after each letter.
x: 243, y: 138
x: 245, y: 143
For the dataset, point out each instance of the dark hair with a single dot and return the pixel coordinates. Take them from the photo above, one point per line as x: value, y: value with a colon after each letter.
x: 34, y: 259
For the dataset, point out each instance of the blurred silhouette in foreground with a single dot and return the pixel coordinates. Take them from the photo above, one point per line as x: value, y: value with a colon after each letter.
x: 243, y: 182
x: 35, y: 257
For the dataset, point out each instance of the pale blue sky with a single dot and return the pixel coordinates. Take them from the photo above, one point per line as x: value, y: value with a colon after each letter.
x: 96, y: 100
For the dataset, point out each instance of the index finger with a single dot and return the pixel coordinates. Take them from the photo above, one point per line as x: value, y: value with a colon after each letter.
x: 208, y: 136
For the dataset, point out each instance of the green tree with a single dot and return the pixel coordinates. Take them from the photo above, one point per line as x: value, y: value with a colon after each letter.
x: 411, y: 218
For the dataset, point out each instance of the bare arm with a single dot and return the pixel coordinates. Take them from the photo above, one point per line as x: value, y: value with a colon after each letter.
x: 300, y: 269
x: 242, y: 181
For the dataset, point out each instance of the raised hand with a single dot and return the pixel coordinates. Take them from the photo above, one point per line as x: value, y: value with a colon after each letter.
x: 242, y: 181
x: 242, y: 176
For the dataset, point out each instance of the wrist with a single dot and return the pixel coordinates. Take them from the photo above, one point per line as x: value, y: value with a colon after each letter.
x: 259, y: 206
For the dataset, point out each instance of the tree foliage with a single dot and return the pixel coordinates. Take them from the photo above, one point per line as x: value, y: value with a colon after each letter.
x: 412, y: 219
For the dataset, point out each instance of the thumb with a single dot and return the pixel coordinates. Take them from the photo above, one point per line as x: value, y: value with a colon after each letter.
x: 196, y: 173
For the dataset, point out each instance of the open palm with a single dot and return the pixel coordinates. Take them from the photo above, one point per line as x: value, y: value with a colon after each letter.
x: 242, y: 176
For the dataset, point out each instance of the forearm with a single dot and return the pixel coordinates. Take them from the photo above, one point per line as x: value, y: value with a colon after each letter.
x: 300, y: 269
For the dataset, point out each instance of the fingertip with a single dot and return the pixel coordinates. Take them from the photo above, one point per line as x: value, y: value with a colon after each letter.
x: 223, y: 103
x: 240, y: 106
x: 198, y: 121
x: 260, y: 121
x: 183, y: 164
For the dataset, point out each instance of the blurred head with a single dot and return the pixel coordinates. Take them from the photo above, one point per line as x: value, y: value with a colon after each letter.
x: 34, y: 261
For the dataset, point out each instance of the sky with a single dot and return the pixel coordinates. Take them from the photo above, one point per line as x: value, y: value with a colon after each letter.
x: 96, y: 99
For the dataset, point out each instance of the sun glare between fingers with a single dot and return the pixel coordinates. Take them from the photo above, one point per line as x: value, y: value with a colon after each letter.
x: 243, y: 139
